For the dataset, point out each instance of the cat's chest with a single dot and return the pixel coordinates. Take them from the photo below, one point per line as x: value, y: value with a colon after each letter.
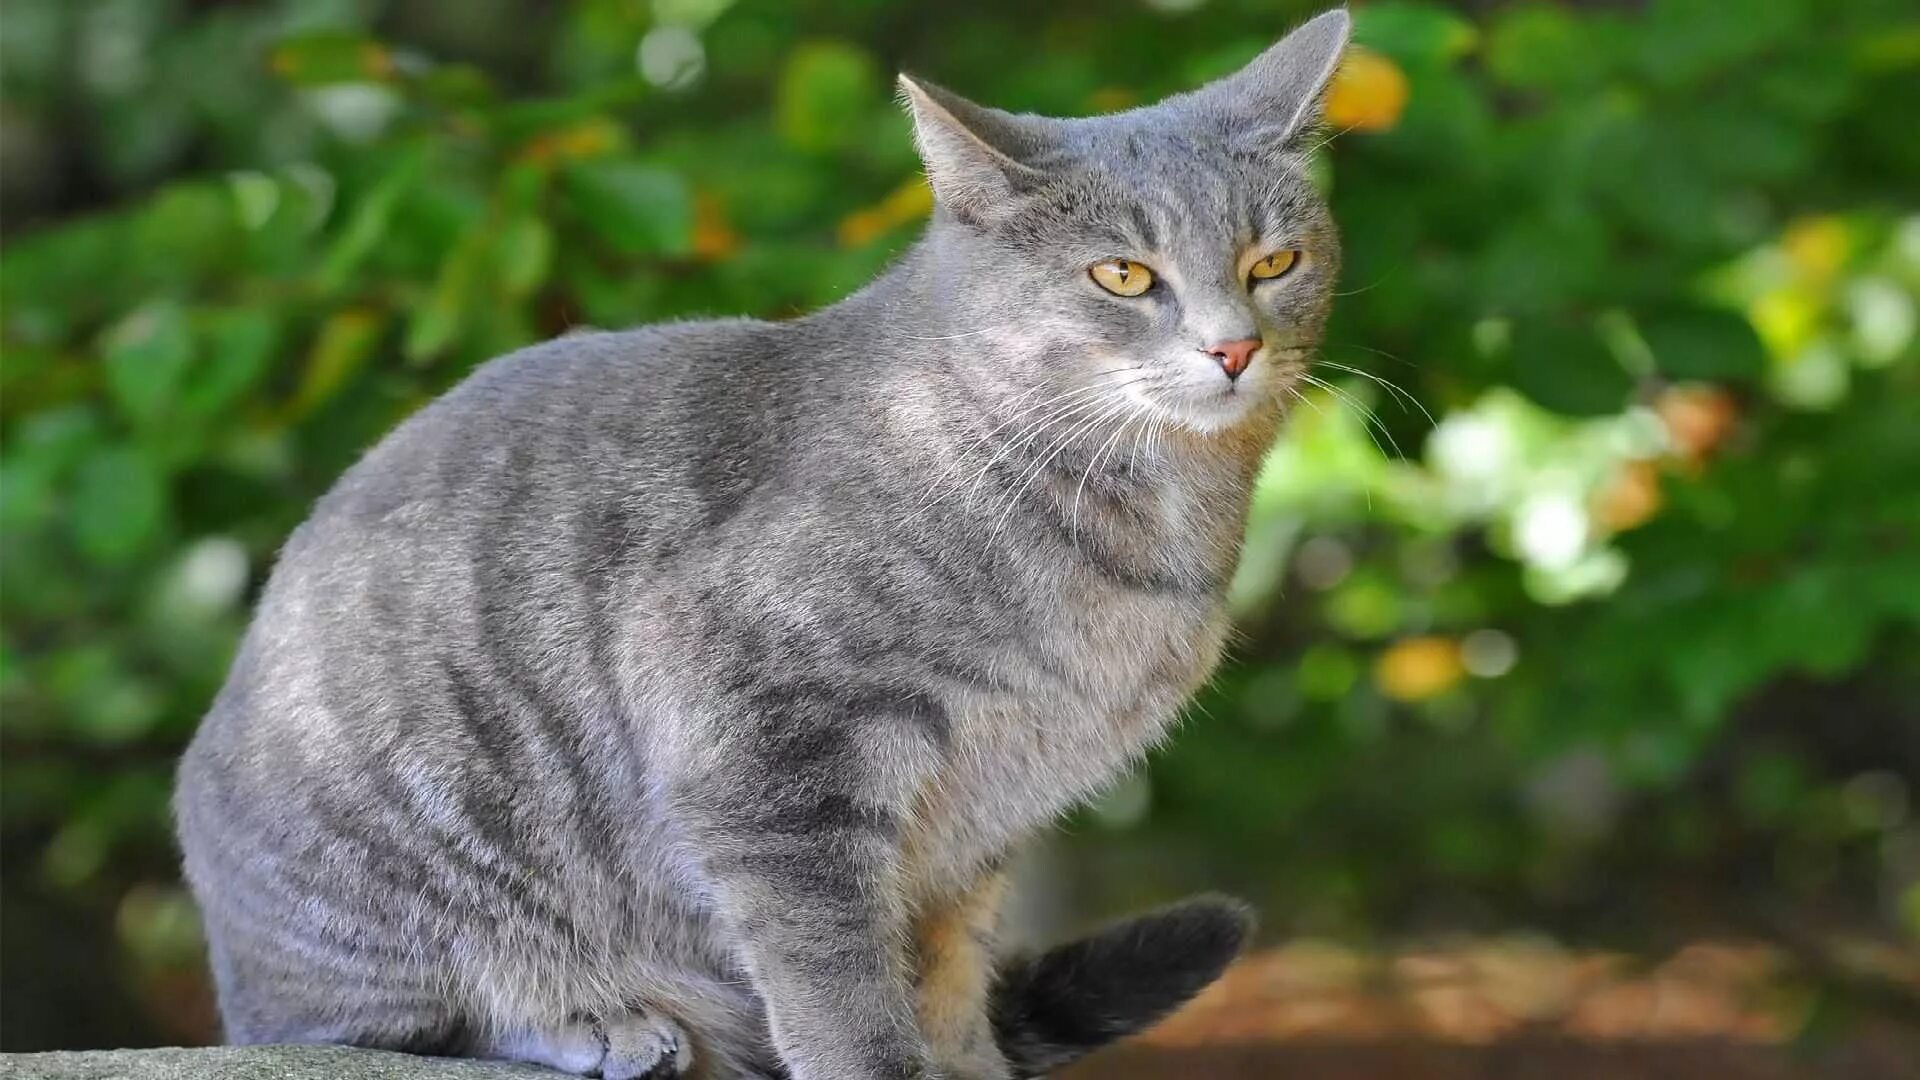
x: 1071, y: 708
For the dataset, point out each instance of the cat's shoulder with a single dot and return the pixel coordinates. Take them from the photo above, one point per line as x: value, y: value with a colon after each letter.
x: 662, y: 346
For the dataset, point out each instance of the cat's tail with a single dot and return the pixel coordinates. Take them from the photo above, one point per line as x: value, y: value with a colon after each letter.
x: 1055, y: 1007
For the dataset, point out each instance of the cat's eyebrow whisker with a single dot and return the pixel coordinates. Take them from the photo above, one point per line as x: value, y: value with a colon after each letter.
x: 1371, y: 285
x: 1324, y: 142
x: 1393, y: 388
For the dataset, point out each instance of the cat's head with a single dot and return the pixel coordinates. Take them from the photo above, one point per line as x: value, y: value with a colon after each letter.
x: 1176, y: 255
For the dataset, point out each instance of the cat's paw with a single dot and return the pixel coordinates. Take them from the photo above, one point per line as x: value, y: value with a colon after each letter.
x: 643, y: 1046
x: 632, y: 1046
x: 976, y: 1057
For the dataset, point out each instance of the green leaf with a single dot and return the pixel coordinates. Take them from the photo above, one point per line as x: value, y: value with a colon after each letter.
x: 638, y: 208
x: 324, y: 57
x: 371, y: 219
x: 1685, y: 40
x: 146, y: 354
x: 1414, y: 33
x: 436, y: 324
x: 119, y: 504
x: 1702, y: 343
x: 523, y: 255
x: 1538, y: 46
x: 1541, y: 265
x: 1566, y: 368
x: 346, y: 341
x: 240, y: 346
x: 826, y: 89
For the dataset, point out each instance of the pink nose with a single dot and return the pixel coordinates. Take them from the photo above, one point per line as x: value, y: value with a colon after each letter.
x: 1234, y: 356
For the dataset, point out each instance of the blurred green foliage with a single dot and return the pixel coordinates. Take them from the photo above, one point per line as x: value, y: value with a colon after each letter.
x: 1585, y: 593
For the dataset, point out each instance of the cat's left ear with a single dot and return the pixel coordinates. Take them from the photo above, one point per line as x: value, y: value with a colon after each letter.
x: 1270, y: 101
x: 976, y: 157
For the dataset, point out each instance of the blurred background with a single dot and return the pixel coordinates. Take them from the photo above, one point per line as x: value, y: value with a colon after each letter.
x: 1578, y: 693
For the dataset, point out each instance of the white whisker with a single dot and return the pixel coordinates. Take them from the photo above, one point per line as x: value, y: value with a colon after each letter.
x: 1368, y: 418
x: 1092, y: 467
x: 1392, y: 388
x: 1047, y: 459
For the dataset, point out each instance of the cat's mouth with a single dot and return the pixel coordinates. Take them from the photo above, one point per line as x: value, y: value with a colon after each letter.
x: 1211, y: 403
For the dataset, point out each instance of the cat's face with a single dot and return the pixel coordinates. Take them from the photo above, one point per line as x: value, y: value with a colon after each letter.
x: 1176, y: 256
x: 1191, y: 276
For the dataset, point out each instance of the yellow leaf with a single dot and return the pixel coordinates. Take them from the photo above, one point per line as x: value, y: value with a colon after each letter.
x: 589, y: 138
x: 714, y: 237
x: 1786, y: 319
x: 1698, y: 417
x: 907, y: 203
x: 910, y: 201
x: 1369, y: 93
x: 860, y: 228
x: 1417, y: 668
x: 1817, y: 246
x: 1630, y: 499
x: 345, y: 342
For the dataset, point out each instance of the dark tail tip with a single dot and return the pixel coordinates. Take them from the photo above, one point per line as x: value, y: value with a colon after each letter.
x: 1053, y: 1008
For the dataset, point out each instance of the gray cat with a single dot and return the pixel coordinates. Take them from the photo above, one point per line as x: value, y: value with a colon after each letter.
x: 667, y: 702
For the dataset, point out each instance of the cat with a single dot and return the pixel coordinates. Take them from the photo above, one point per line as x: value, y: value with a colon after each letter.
x: 667, y: 702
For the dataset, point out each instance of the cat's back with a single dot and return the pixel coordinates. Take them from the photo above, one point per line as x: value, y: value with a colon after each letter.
x: 575, y: 419
x: 460, y: 565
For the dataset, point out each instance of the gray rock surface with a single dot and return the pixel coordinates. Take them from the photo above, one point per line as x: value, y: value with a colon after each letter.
x: 255, y: 1063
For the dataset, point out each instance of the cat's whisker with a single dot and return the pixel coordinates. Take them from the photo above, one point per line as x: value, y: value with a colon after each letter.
x: 1133, y: 456
x: 1092, y: 467
x: 1074, y: 394
x: 1311, y: 404
x: 1065, y: 396
x: 1022, y: 408
x: 1382, y: 353
x: 1054, y: 451
x: 1369, y: 419
x: 1400, y: 393
x: 1058, y: 410
x: 1021, y: 441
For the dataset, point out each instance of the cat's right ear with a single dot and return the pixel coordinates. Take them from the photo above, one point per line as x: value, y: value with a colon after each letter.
x: 976, y: 157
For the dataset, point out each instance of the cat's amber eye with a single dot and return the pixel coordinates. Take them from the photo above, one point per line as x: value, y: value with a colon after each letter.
x: 1274, y: 265
x: 1121, y: 277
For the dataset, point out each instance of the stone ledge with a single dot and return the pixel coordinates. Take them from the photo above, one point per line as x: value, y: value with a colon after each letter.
x: 255, y: 1063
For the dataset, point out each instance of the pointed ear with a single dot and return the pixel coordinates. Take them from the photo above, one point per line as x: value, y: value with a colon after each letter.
x: 1279, y: 93
x: 975, y: 156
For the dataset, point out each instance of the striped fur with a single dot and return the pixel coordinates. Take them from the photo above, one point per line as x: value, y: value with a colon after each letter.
x: 665, y: 702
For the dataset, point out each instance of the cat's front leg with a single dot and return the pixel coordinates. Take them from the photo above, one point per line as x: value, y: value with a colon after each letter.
x: 799, y: 828
x: 953, y: 944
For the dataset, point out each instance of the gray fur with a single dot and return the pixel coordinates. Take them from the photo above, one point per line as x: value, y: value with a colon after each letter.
x: 651, y: 691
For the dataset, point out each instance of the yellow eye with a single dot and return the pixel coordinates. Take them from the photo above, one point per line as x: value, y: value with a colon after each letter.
x: 1121, y: 277
x: 1274, y: 265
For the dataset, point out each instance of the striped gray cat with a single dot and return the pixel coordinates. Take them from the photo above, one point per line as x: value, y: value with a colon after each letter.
x: 668, y: 702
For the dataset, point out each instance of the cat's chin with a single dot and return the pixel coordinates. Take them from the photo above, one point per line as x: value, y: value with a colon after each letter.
x: 1220, y: 413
